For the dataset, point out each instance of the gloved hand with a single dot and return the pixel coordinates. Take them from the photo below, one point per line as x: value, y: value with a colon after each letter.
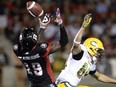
x: 46, y: 20
x: 58, y: 19
x: 87, y: 20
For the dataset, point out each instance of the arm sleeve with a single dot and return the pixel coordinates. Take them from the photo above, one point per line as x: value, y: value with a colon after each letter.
x: 93, y: 69
x: 92, y: 72
x: 63, y: 36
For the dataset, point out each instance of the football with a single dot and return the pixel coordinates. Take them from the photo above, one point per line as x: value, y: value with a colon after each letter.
x: 34, y: 8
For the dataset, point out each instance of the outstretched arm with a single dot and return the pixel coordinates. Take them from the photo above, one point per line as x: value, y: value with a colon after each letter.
x: 103, y: 78
x: 43, y: 25
x: 77, y: 40
x: 56, y: 45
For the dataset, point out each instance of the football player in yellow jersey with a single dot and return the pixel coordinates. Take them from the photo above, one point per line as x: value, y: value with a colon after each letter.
x: 82, y: 60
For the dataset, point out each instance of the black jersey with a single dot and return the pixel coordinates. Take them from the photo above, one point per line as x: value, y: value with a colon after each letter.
x: 37, y: 64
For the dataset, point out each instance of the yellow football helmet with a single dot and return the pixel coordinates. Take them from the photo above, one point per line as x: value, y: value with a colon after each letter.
x: 93, y: 45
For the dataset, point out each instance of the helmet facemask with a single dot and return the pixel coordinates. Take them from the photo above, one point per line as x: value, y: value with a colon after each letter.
x: 100, y: 54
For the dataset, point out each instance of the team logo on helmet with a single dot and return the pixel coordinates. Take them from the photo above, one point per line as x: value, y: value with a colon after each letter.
x: 94, y: 43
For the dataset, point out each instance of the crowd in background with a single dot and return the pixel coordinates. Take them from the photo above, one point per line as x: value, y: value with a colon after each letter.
x: 14, y: 17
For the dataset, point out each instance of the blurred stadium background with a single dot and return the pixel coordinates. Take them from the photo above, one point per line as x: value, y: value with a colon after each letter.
x: 14, y: 17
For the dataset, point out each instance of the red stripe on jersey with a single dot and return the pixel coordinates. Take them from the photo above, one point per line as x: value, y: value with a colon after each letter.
x: 49, y: 69
x: 47, y: 50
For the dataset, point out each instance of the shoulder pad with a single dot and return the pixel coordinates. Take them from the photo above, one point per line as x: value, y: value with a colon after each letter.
x: 15, y: 47
x: 43, y: 45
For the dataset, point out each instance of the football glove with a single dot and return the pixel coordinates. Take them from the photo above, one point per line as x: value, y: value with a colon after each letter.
x: 87, y: 20
x: 46, y: 20
x: 58, y: 19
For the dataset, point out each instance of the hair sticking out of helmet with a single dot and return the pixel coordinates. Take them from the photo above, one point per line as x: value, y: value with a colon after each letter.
x: 93, y: 46
x: 28, y: 39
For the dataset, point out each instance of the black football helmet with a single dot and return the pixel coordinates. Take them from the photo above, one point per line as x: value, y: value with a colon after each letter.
x: 28, y: 39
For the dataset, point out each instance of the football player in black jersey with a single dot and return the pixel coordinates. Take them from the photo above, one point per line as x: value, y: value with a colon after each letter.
x: 34, y: 55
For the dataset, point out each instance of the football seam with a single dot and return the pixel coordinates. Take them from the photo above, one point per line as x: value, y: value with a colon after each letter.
x: 32, y: 13
x: 41, y: 13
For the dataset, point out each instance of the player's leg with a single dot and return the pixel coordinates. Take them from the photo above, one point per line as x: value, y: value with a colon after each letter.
x: 61, y: 85
x: 64, y: 84
x: 82, y: 86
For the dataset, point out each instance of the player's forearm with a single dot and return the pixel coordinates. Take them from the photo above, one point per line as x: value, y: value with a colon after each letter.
x: 63, y: 36
x: 86, y: 22
x: 40, y: 34
x: 106, y: 79
x: 79, y: 35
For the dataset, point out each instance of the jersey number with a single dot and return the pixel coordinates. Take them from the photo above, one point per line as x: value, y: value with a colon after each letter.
x: 37, y: 69
x: 83, y: 70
